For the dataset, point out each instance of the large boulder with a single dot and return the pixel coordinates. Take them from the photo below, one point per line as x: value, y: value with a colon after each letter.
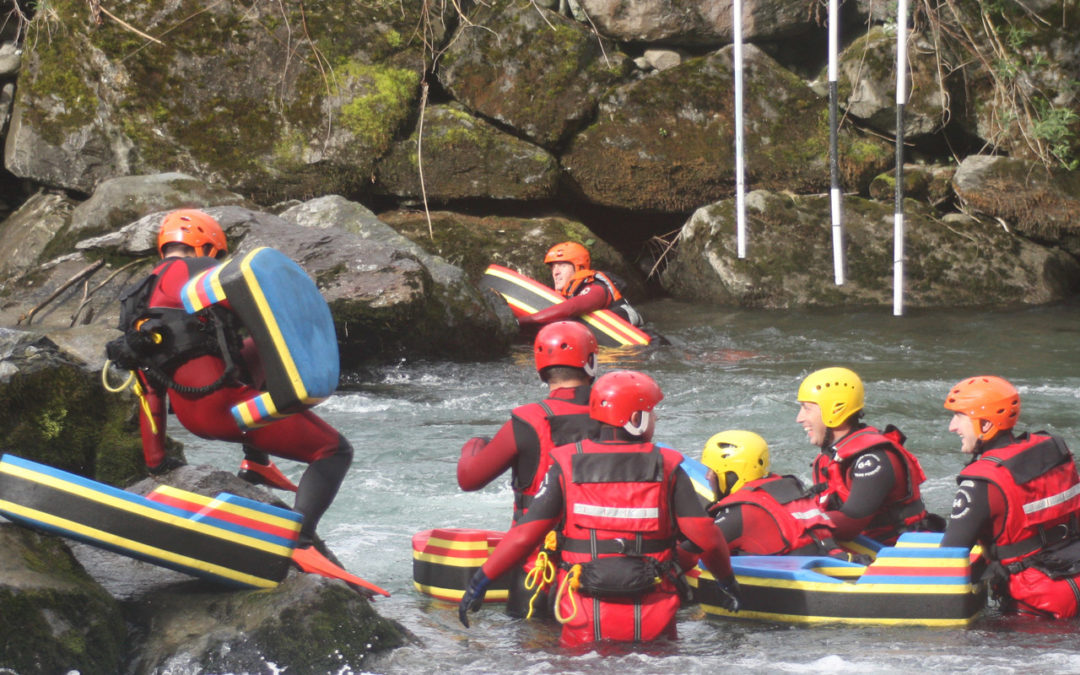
x: 866, y: 84
x: 53, y: 410
x: 459, y: 156
x: 271, y: 99
x: 1041, y: 203
x: 473, y: 243
x: 55, y: 617
x: 666, y: 143
x: 956, y: 262
x: 696, y: 22
x: 530, y: 69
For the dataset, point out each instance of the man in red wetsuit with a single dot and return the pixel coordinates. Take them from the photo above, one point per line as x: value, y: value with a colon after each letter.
x: 202, y: 393
x: 868, y: 483
x: 1019, y: 498
x: 565, y: 356
x: 585, y: 289
x: 760, y: 512
x: 620, y: 503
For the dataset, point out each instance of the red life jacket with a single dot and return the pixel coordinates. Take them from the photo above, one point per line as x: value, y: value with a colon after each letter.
x: 618, y: 503
x: 792, y: 510
x: 903, y: 506
x: 618, y: 303
x: 1037, y: 476
x: 556, y: 421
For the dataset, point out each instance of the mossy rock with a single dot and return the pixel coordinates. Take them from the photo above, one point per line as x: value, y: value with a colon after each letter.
x: 55, y: 618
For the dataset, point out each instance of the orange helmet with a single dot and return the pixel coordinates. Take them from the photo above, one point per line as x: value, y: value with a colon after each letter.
x: 194, y: 228
x: 986, y: 397
x: 571, y: 252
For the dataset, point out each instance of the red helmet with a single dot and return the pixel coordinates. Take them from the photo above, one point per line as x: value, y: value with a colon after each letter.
x: 566, y: 343
x: 194, y: 228
x: 617, y: 395
x: 986, y: 397
x: 571, y: 252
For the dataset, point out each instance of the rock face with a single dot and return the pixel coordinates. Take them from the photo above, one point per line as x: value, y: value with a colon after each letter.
x: 237, y: 92
x: 789, y: 263
x: 55, y: 617
x: 53, y: 410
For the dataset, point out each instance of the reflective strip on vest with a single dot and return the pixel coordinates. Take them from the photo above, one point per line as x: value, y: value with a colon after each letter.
x: 808, y: 515
x: 1052, y: 500
x: 614, y: 512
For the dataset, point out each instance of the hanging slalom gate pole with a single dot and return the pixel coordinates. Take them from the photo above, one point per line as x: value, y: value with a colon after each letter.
x: 834, y: 155
x: 898, y: 214
x: 740, y: 185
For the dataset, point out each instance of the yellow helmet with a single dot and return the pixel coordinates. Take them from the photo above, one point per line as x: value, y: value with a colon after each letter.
x: 736, y: 457
x: 837, y: 391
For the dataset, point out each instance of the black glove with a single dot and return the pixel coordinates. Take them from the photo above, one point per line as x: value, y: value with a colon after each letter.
x: 730, y: 594
x: 474, y: 596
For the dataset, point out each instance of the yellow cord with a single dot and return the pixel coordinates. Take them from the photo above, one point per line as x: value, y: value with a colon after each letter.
x: 136, y: 387
x: 539, y: 578
x: 571, y: 579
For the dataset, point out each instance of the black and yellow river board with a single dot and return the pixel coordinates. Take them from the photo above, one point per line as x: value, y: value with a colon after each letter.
x: 527, y: 296
x: 227, y: 539
x: 914, y: 583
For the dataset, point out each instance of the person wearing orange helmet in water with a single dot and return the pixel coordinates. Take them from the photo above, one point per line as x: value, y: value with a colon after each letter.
x: 585, y: 289
x: 1019, y: 497
x: 565, y: 357
x: 620, y: 504
x: 186, y: 361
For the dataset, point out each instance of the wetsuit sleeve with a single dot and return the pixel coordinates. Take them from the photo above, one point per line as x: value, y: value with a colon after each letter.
x: 543, y: 516
x: 482, y: 462
x: 152, y: 427
x: 591, y: 298
x: 970, y: 521
x: 872, y: 479
x: 697, y: 526
x: 730, y: 521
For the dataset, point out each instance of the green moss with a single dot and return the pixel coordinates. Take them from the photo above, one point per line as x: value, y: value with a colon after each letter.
x: 382, y: 104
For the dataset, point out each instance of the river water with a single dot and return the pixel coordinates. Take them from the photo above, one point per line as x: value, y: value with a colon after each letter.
x: 725, y: 369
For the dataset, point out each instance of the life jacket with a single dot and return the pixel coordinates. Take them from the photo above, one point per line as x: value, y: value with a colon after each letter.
x: 1038, y: 478
x: 791, y: 508
x: 903, y: 507
x: 556, y: 421
x: 158, y: 339
x: 618, y: 504
x: 618, y: 304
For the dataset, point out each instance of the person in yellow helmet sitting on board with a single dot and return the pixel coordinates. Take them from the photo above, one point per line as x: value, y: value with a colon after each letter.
x: 585, y: 289
x: 760, y: 512
x: 867, y: 482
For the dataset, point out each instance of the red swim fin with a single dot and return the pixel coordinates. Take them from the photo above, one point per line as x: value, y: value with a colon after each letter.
x: 265, y: 474
x: 313, y: 562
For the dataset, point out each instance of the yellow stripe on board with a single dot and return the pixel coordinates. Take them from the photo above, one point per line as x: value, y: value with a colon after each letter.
x: 849, y: 588
x: 922, y: 563
x: 495, y: 595
x: 603, y: 327
x: 477, y: 545
x: 138, y: 547
x: 144, y: 511
x: 229, y: 507
x: 618, y: 329
x: 451, y: 561
x: 513, y: 302
x: 271, y: 325
x: 797, y: 618
x: 529, y: 285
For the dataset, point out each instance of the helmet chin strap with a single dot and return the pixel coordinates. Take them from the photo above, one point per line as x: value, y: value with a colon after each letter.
x: 639, y: 428
x: 590, y: 365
